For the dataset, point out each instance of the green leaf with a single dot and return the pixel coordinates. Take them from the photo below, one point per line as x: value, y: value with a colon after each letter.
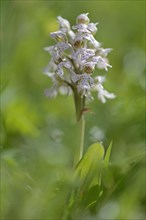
x: 91, y: 197
x: 89, y: 168
x: 107, y: 155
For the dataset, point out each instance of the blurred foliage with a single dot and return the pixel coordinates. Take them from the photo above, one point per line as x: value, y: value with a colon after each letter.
x: 38, y: 136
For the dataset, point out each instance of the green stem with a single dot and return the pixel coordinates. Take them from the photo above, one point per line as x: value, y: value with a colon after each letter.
x: 77, y: 101
x: 79, y: 107
x: 79, y: 149
x: 82, y: 138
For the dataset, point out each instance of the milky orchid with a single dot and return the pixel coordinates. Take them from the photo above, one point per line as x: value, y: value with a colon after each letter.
x: 74, y: 59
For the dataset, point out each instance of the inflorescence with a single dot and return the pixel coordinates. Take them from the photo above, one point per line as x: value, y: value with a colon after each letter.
x: 74, y: 58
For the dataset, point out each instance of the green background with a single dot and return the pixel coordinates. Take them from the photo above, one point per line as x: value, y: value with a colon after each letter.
x: 38, y: 135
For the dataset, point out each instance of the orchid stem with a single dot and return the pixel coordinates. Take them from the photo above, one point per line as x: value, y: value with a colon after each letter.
x: 79, y: 107
x: 82, y: 137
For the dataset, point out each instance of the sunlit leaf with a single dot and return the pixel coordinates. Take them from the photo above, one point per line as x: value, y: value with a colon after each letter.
x: 89, y: 169
x: 107, y: 155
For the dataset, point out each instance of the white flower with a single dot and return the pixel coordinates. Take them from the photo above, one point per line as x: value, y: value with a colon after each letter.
x: 104, y: 52
x: 81, y: 28
x: 84, y: 28
x: 92, y: 27
x: 64, y: 27
x: 61, y: 47
x: 51, y: 93
x: 91, y: 39
x: 102, y: 93
x: 58, y: 36
x: 87, y: 53
x: 54, y: 53
x: 102, y: 63
x: 64, y: 24
x: 82, y: 55
x: 50, y: 69
x: 82, y: 80
x: 59, y: 86
x: 64, y: 63
x: 54, y: 90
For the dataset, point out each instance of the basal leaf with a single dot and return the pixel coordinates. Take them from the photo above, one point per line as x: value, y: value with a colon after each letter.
x: 89, y: 169
x: 107, y: 155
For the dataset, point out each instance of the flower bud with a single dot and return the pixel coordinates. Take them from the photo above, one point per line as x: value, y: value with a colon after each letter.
x: 82, y: 19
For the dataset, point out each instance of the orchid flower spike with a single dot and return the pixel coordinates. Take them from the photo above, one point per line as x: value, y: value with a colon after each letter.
x: 75, y: 60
